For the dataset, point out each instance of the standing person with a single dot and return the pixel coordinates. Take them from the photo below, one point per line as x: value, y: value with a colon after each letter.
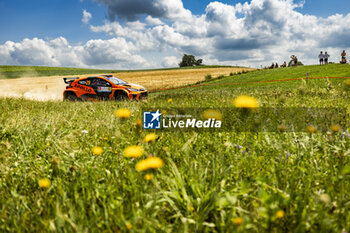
x: 295, y: 61
x: 292, y: 60
x: 321, y: 56
x: 326, y: 56
x: 343, y: 57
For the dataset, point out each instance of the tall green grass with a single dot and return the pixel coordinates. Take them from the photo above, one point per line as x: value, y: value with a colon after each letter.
x: 211, y: 181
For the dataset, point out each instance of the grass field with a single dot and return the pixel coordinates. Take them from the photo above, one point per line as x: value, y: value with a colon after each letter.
x: 53, y: 178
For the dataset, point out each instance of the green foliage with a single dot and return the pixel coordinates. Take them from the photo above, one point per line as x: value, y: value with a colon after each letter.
x: 209, y: 178
x: 208, y: 77
x: 291, y: 63
x: 190, y: 60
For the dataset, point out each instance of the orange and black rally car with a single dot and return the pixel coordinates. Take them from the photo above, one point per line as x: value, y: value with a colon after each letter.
x: 102, y: 87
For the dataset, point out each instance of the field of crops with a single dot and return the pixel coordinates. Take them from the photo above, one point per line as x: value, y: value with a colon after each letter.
x: 86, y: 167
x: 37, y: 85
x: 9, y: 72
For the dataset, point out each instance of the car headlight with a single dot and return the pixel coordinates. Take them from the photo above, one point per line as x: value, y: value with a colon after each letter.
x: 132, y: 89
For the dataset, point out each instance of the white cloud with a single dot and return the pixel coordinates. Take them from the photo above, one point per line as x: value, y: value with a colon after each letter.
x: 170, y: 61
x: 108, y: 53
x: 255, y: 33
x: 153, y: 21
x: 86, y: 17
x: 115, y: 53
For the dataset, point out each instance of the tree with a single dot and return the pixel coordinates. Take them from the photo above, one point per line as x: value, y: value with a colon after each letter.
x: 291, y: 63
x: 199, y: 62
x: 190, y: 60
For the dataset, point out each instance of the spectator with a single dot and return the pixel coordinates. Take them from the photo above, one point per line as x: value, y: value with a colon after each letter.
x: 294, y: 60
x: 326, y: 56
x: 321, y: 57
x: 343, y: 57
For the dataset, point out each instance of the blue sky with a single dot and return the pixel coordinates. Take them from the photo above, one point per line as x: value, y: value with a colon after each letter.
x: 50, y: 19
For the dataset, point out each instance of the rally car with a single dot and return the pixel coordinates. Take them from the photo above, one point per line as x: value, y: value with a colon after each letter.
x: 102, y: 87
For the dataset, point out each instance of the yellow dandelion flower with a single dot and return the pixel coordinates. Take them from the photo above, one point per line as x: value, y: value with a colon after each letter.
x: 335, y: 128
x: 116, y: 152
x: 48, y: 144
x: 238, y: 220
x: 246, y: 102
x: 311, y: 129
x: 280, y: 214
x: 44, y: 183
x: 149, y: 163
x: 148, y: 177
x: 347, y: 82
x: 281, y: 128
x: 128, y: 226
x: 163, y: 112
x: 212, y: 114
x: 150, y: 137
x: 97, y: 150
x: 123, y: 113
x: 170, y: 100
x: 133, y: 152
x: 56, y: 161
x: 138, y: 123
x: 106, y: 139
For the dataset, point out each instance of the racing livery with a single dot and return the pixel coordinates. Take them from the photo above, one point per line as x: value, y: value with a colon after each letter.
x: 102, y: 87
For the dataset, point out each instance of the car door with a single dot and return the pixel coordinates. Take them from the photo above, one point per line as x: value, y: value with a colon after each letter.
x: 102, y: 88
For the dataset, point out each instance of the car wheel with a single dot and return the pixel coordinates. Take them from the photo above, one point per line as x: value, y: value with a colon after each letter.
x: 71, y: 97
x: 121, y: 96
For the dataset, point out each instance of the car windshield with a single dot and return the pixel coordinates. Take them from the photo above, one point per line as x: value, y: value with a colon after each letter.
x: 117, y: 81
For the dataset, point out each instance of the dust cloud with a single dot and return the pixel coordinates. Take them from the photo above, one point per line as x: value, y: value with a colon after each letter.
x: 40, y: 88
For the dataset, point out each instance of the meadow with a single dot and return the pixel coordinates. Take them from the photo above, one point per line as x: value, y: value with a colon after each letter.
x: 69, y: 167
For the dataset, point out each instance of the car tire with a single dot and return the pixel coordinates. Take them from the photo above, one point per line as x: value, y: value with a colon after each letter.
x: 121, y: 96
x: 71, y: 97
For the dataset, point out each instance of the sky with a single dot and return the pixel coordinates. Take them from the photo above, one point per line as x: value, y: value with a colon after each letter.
x: 139, y: 34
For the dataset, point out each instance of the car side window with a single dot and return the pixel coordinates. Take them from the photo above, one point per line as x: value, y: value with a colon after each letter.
x: 83, y: 82
x: 94, y: 82
x: 103, y: 83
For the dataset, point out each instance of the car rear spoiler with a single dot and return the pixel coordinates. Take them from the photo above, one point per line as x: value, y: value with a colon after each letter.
x: 70, y: 79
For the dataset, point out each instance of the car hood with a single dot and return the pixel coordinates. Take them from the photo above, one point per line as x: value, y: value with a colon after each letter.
x: 135, y: 86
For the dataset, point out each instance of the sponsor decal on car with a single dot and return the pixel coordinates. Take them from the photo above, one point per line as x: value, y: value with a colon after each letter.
x: 87, y: 89
x: 104, y: 89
